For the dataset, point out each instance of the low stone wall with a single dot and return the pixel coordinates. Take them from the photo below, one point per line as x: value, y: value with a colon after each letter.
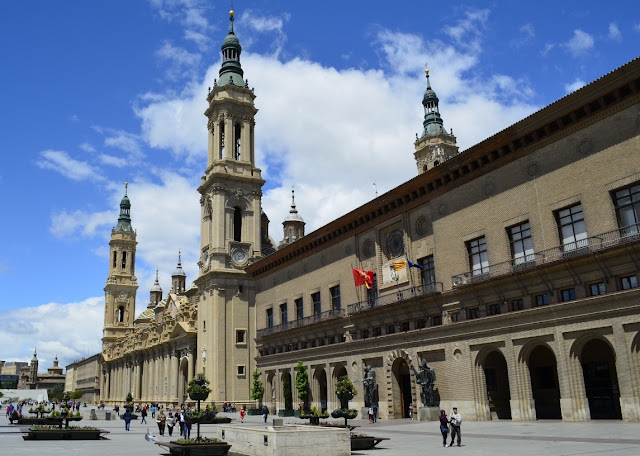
x: 289, y: 440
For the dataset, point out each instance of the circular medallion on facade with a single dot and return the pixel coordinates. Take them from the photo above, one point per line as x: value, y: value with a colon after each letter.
x: 585, y: 147
x: 421, y: 226
x: 395, y: 243
x: 532, y: 170
x: 367, y: 249
x: 489, y: 188
x: 239, y: 256
x: 442, y: 210
x: 347, y: 250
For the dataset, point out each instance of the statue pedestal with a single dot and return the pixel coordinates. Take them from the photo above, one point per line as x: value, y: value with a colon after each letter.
x: 428, y: 414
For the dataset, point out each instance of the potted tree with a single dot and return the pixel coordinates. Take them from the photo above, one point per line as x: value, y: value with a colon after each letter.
x: 302, y: 385
x: 345, y: 392
x: 257, y: 391
x: 288, y: 399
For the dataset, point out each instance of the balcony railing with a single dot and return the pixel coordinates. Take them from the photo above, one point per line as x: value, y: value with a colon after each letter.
x: 579, y: 248
x: 396, y: 295
x: 315, y: 318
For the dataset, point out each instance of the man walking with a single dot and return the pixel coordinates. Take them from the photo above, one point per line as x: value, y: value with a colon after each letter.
x: 456, y: 421
x: 144, y: 415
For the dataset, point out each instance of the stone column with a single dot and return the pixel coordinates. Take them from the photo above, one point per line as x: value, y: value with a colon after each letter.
x: 190, y: 365
x: 228, y: 138
x: 627, y: 372
x: 174, y: 376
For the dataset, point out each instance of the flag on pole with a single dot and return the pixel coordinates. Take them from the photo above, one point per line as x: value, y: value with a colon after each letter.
x: 400, y: 264
x: 361, y: 277
x: 414, y: 265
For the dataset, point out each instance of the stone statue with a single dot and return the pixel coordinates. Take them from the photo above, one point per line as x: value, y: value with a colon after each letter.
x: 426, y: 377
x: 369, y: 383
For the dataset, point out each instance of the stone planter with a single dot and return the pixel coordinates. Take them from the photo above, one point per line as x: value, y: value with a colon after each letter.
x: 362, y: 443
x: 286, y: 412
x: 64, y: 434
x: 196, y: 449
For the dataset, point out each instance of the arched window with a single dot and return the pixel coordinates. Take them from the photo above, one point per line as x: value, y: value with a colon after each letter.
x: 237, y: 147
x: 120, y: 314
x: 237, y: 224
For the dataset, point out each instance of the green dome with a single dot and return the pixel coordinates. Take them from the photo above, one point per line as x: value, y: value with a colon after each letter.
x: 231, y: 70
x: 231, y: 41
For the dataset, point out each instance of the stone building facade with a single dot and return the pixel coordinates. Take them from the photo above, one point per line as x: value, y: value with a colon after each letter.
x: 527, y: 304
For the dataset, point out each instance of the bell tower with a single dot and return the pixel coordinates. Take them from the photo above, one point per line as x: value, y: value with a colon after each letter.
x: 122, y: 284
x: 435, y: 145
x: 231, y: 193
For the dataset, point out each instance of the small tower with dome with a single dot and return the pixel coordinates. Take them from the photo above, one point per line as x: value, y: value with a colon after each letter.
x: 435, y: 145
x: 293, y: 224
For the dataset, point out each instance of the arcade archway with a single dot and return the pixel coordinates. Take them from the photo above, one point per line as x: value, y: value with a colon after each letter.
x: 601, y: 380
x: 544, y: 383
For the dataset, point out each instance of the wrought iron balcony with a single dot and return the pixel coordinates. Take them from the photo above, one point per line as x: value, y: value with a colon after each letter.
x: 396, y: 295
x: 315, y: 318
x: 579, y: 248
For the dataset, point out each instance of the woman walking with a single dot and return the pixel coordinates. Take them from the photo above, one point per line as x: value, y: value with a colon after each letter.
x: 444, y: 427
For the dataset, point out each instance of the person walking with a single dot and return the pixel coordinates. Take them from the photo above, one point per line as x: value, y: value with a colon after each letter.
x: 153, y: 411
x: 444, y: 427
x: 375, y: 412
x: 265, y: 412
x: 242, y: 412
x: 187, y: 428
x: 411, y: 410
x: 144, y: 415
x: 456, y: 421
x: 171, y: 422
x: 162, y: 421
x: 127, y: 419
x: 370, y: 414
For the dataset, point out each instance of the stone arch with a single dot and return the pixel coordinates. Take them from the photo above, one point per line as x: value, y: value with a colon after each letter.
x: 287, y: 396
x: 396, y: 383
x: 541, y: 376
x: 183, y: 378
x: 491, y: 384
x: 320, y: 388
x: 594, y: 355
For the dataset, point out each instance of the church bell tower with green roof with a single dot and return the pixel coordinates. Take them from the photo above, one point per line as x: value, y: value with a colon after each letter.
x: 122, y: 284
x: 230, y: 199
x: 434, y: 145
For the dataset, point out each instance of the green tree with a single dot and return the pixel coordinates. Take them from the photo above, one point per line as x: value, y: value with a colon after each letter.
x: 302, y: 383
x: 1, y: 395
x: 57, y: 392
x: 286, y: 391
x: 257, y: 390
x: 345, y: 392
x: 75, y: 395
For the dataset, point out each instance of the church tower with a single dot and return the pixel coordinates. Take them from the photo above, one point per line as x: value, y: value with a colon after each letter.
x: 293, y: 224
x: 231, y: 192
x: 435, y: 145
x: 121, y: 287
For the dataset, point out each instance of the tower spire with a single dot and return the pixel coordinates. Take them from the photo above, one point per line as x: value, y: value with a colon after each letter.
x: 124, y: 220
x: 231, y: 70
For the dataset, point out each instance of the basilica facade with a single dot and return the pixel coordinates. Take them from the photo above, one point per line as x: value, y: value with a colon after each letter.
x: 511, y: 268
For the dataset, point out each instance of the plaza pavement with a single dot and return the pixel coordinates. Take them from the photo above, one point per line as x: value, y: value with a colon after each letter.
x: 408, y: 438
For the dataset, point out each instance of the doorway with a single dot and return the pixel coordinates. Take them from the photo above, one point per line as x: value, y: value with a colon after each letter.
x: 601, y: 380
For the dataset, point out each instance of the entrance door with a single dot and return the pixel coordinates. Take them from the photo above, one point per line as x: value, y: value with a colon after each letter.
x: 402, y: 395
x: 601, y: 381
x: 544, y: 383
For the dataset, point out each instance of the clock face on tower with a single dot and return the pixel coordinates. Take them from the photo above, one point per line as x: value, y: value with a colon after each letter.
x: 239, y: 256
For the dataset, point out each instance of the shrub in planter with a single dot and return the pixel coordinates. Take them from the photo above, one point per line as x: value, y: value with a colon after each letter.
x: 345, y: 392
x: 198, y: 388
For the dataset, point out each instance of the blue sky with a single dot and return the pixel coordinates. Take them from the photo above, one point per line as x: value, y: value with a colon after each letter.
x: 102, y: 91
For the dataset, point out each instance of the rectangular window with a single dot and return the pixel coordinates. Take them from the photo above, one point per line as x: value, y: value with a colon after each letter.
x: 473, y: 313
x: 391, y: 329
x: 240, y: 370
x: 572, y: 229
x: 332, y: 340
x: 317, y: 306
x: 270, y: 318
x: 428, y: 272
x: 365, y: 333
x: 299, y: 309
x: 629, y: 282
x: 521, y: 243
x: 517, y: 304
x: 436, y: 320
x: 568, y: 295
x: 627, y: 204
x: 404, y: 326
x: 455, y: 316
x: 377, y: 331
x: 478, y: 256
x: 335, y: 297
x: 421, y: 323
x: 494, y: 309
x: 597, y: 289
x: 542, y: 300
x: 284, y: 315
x: 115, y: 259
x: 241, y: 336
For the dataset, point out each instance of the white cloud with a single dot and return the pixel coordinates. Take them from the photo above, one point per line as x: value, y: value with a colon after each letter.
x: 181, y: 63
x: 124, y: 141
x: 547, y: 48
x: 467, y: 33
x: 111, y: 160
x: 201, y: 40
x: 69, y: 224
x: 70, y: 331
x: 575, y: 85
x: 614, y: 32
x: 580, y: 43
x: 528, y: 31
x: 62, y: 163
x: 266, y: 24
x: 87, y: 147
